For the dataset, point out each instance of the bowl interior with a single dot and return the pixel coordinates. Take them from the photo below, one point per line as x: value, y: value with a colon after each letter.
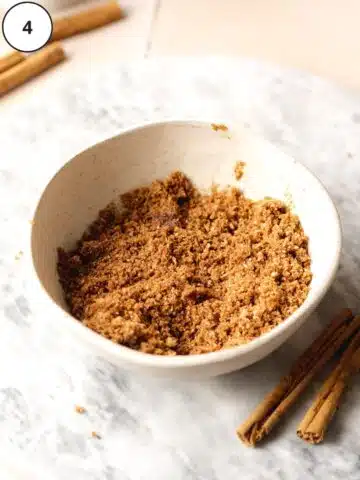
x: 98, y: 175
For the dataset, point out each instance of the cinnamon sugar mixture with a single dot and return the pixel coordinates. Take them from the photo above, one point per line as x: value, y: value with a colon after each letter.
x: 179, y: 272
x: 239, y: 170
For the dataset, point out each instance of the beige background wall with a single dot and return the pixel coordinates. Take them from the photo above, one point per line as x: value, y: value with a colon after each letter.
x: 322, y: 36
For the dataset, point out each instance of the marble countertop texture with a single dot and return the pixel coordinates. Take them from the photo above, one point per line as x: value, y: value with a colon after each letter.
x: 156, y: 429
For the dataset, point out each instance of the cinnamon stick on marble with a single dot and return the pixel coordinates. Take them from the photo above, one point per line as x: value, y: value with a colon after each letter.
x: 276, y: 403
x: 32, y: 66
x: 317, y: 419
x: 86, y: 20
x: 10, y: 60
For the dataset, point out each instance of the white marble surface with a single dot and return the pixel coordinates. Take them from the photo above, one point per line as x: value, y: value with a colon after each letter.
x: 156, y: 429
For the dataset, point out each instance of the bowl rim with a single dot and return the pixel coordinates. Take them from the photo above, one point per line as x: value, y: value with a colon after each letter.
x: 142, y: 359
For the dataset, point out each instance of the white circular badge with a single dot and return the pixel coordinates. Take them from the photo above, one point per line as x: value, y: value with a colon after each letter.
x: 27, y: 26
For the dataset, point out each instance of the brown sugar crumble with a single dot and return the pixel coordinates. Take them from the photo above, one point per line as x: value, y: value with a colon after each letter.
x: 239, y: 170
x: 79, y: 409
x: 180, y: 272
x: 19, y: 255
x: 219, y: 126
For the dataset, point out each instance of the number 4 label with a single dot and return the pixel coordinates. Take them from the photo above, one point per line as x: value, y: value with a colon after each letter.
x: 27, y: 27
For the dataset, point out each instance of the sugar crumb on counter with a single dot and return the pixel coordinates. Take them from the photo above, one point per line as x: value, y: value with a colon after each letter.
x: 239, y: 170
x: 19, y: 255
x: 79, y: 409
x: 219, y: 127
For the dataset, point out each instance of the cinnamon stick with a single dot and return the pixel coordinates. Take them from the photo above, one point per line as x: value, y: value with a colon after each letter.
x: 10, y: 60
x: 86, y: 20
x: 277, y: 402
x: 31, y: 67
x: 317, y: 419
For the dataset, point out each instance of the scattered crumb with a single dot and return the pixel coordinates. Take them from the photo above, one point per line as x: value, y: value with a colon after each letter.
x: 239, y: 170
x: 180, y: 272
x: 350, y: 155
x: 95, y: 435
x: 219, y: 126
x: 31, y: 222
x: 289, y: 201
x: 19, y: 255
x: 79, y: 409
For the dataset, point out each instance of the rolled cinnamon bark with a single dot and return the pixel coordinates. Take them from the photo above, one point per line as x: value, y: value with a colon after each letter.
x: 33, y: 65
x: 275, y: 404
x: 10, y: 60
x: 86, y: 20
x: 317, y: 419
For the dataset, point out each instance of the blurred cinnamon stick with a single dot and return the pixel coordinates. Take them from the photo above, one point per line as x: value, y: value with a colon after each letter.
x: 86, y: 20
x: 32, y: 66
x: 317, y: 419
x: 276, y: 403
x: 10, y: 60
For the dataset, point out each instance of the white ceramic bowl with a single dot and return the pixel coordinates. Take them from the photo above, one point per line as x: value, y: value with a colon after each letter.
x: 96, y: 176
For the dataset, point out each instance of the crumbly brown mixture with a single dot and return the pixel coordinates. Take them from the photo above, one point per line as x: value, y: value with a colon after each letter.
x: 239, y: 170
x: 219, y: 126
x: 180, y: 272
x: 79, y: 409
x: 19, y: 255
